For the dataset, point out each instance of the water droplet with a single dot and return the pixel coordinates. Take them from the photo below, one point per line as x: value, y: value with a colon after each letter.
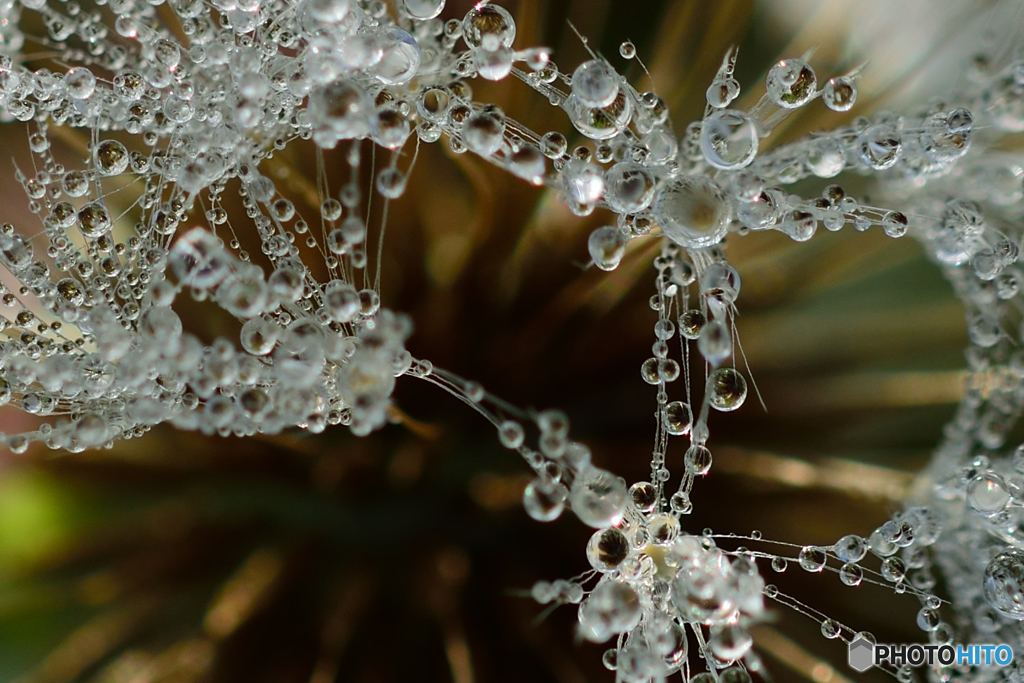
x: 595, y: 83
x: 850, y: 548
x: 598, y: 497
x: 678, y: 418
x: 644, y: 496
x: 893, y: 569
x: 599, y: 123
x: 544, y: 500
x: 831, y: 629
x: 111, y: 158
x: 1004, y: 584
x: 680, y: 503
x: 987, y: 493
x: 895, y: 224
x: 728, y: 389
x: 730, y: 642
x: 607, y: 549
x: 491, y: 23
x: 791, y: 83
x: 663, y: 529
x: 629, y: 187
x: 511, y: 434
x: 928, y: 619
x: 94, y: 221
x: 691, y: 322
x: 484, y: 131
x: 851, y: 574
x: 728, y: 139
x: 812, y: 558
x: 423, y: 9
x: 692, y: 211
x: 607, y: 245
x: 879, y: 147
x: 697, y: 460
x: 839, y: 94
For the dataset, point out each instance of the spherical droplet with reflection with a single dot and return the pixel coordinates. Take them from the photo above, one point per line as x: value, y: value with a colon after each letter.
x: 544, y: 500
x: 94, y: 220
x: 607, y: 245
x: 111, y: 158
x: 850, y: 548
x: 613, y: 607
x: 678, y: 418
x: 728, y: 389
x: 629, y: 187
x: 791, y: 83
x: 851, y: 574
x: 839, y: 94
x: 486, y: 23
x: 1004, y: 584
x: 987, y: 493
x: 692, y: 211
x: 812, y: 559
x: 644, y: 496
x: 607, y: 549
x: 423, y: 9
x: 595, y: 83
x: 728, y: 139
x: 598, y: 497
x: 730, y: 642
x: 698, y: 460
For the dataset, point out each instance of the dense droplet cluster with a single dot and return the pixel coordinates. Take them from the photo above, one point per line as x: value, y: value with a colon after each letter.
x: 183, y: 122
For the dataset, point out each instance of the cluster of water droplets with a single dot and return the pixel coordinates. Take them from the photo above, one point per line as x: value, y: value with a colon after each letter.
x: 182, y: 125
x: 948, y: 181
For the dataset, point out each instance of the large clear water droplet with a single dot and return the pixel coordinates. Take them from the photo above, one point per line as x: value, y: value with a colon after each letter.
x: 1004, y: 584
x: 693, y: 212
x: 728, y: 139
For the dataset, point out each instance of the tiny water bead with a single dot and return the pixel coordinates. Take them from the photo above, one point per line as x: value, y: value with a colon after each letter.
x: 830, y: 628
x: 928, y: 619
x: 691, y: 322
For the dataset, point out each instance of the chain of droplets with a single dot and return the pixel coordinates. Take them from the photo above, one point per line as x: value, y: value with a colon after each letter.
x: 107, y: 354
x: 719, y: 183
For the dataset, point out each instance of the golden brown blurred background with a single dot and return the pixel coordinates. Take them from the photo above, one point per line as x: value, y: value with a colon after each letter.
x: 406, y: 554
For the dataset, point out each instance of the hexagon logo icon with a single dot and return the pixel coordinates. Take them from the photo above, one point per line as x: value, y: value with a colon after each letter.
x: 862, y: 654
